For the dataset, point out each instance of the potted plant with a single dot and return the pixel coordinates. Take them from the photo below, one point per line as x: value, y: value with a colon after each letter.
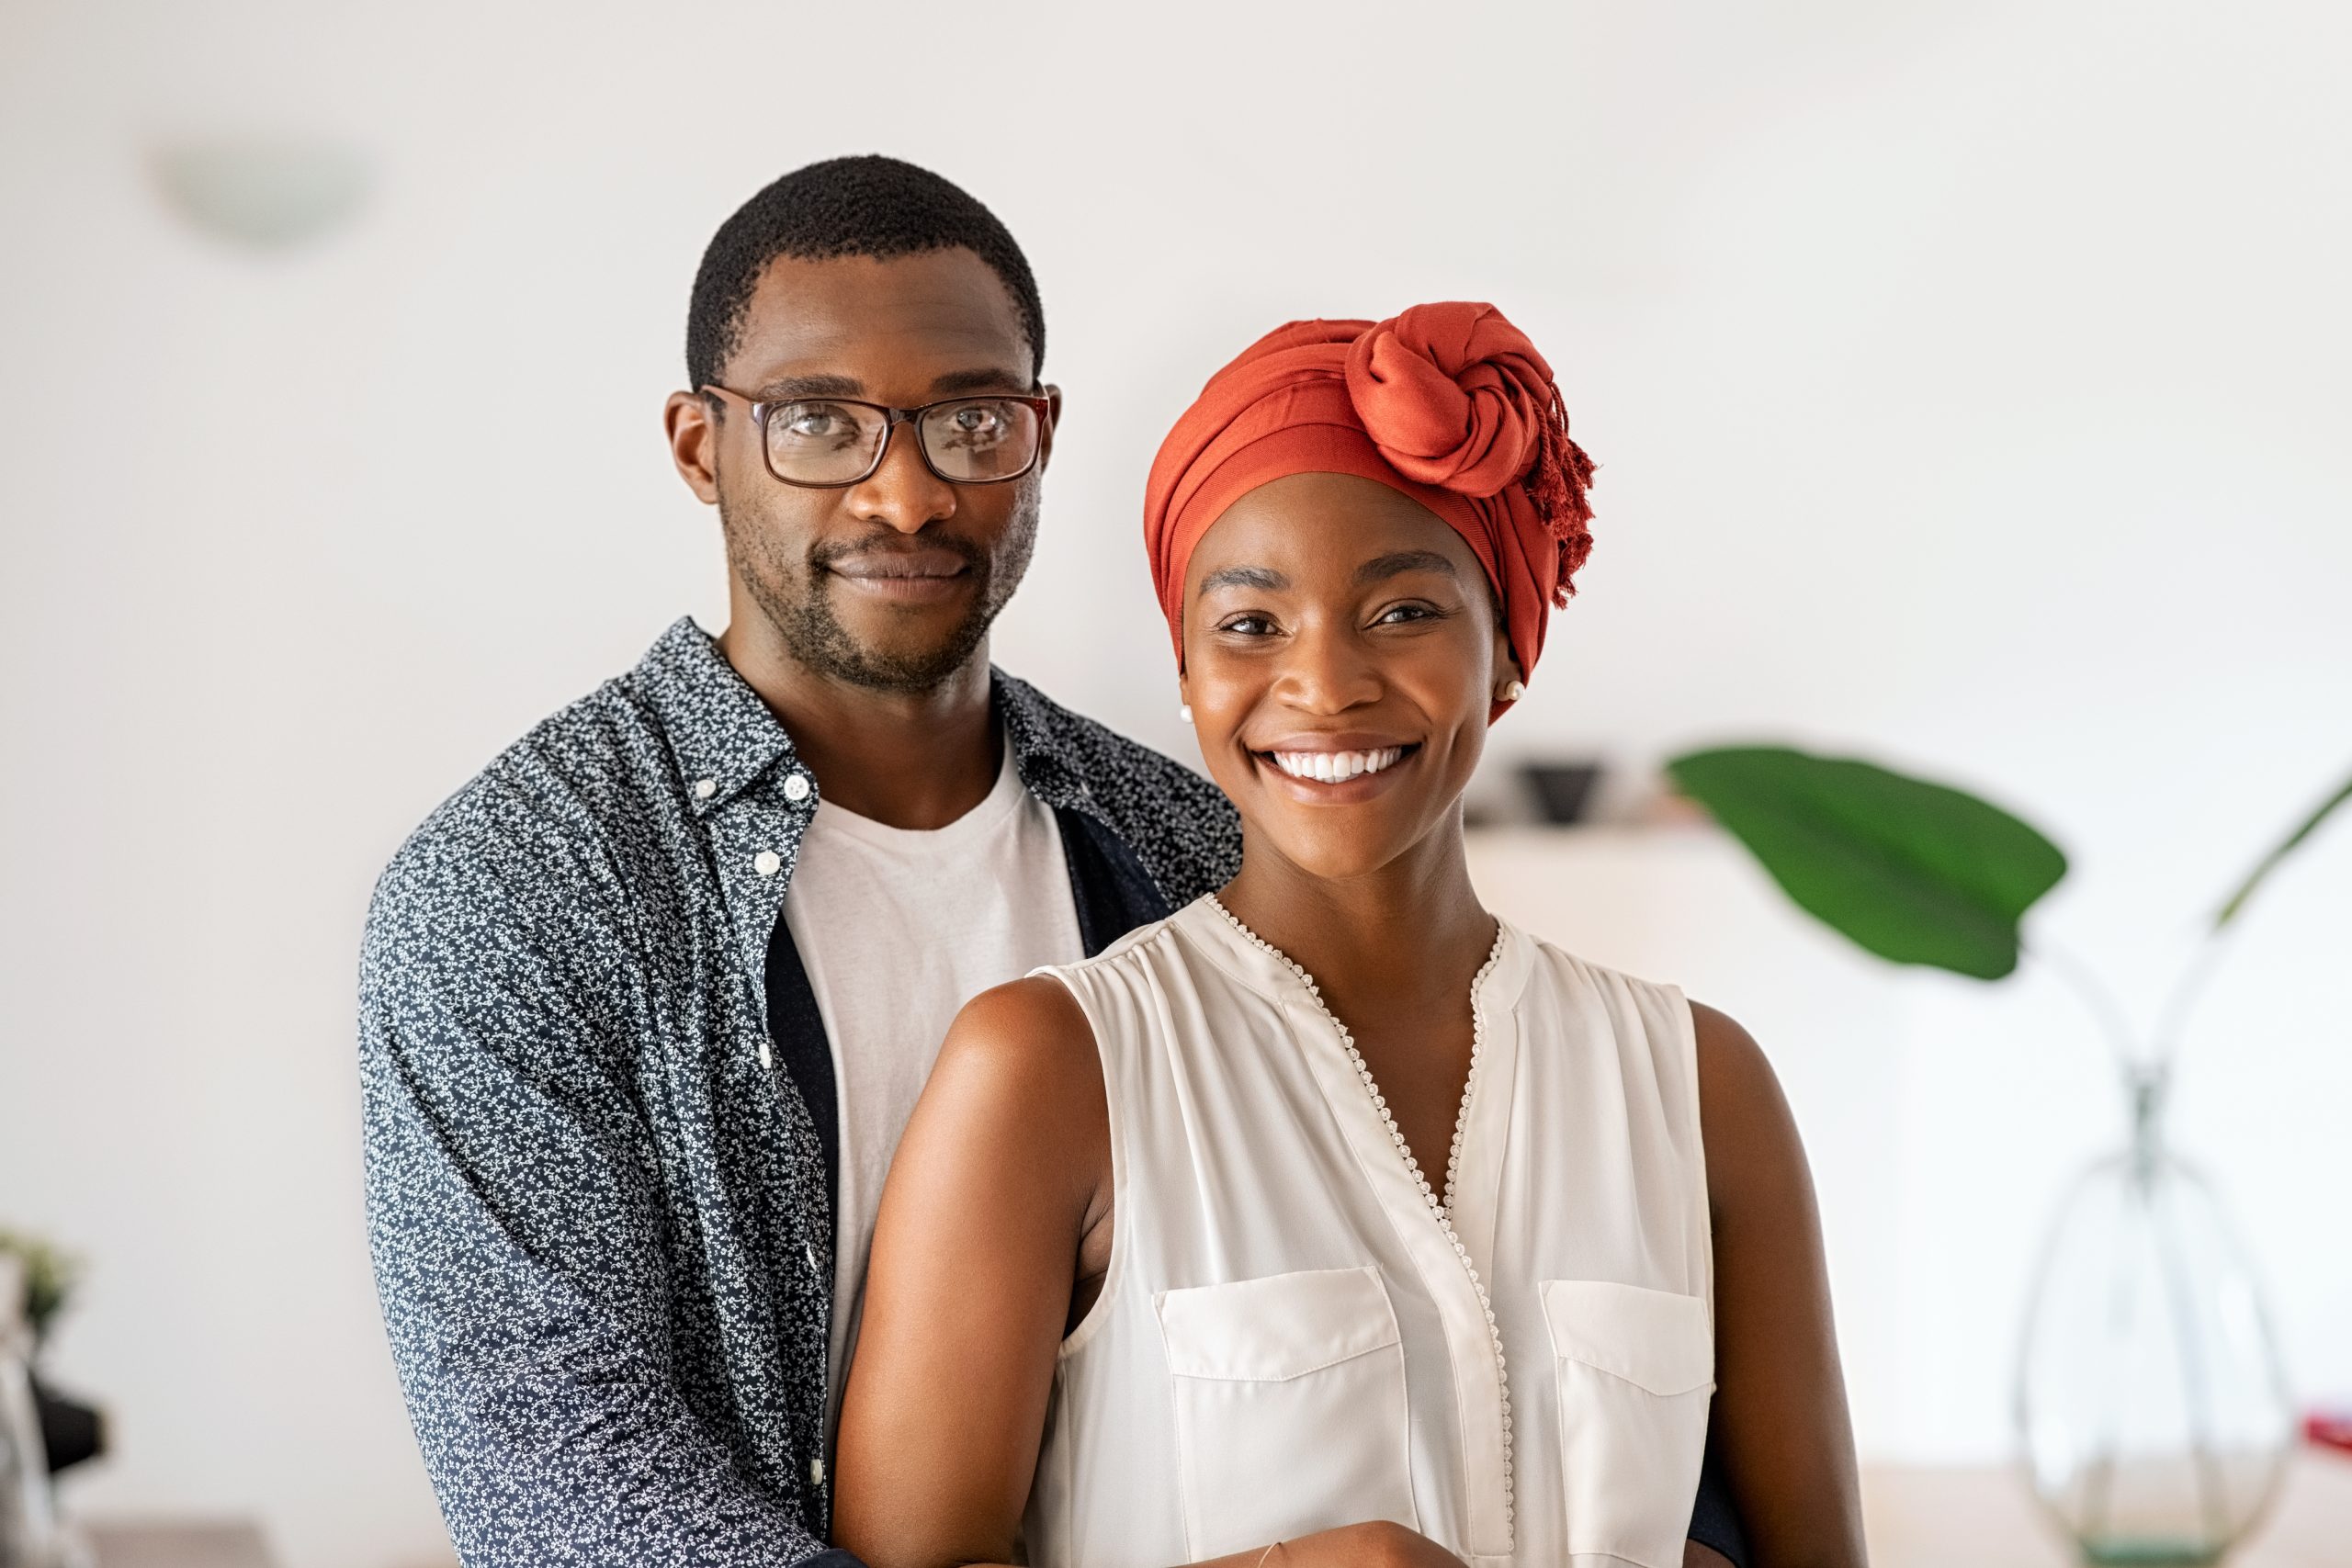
x: 71, y: 1431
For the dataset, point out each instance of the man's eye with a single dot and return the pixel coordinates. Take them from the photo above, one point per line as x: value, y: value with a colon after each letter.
x: 977, y: 424
x: 820, y: 425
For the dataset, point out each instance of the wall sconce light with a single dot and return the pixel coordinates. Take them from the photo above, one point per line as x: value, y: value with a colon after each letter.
x: 263, y: 191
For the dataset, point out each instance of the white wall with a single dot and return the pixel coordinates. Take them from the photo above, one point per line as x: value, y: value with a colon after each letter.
x: 1970, y: 382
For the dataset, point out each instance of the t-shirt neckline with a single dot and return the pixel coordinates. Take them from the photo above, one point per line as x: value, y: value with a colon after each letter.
x: 1003, y: 799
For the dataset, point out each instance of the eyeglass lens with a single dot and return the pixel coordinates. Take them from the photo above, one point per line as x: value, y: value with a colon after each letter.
x: 968, y: 440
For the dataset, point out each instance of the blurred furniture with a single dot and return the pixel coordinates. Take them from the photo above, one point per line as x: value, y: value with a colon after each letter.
x: 1931, y: 1517
x: 1917, y: 1516
x: 162, y: 1543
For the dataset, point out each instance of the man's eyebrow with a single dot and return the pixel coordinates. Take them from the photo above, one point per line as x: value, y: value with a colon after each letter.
x: 991, y: 380
x: 1264, y: 579
x: 785, y: 388
x: 1380, y: 567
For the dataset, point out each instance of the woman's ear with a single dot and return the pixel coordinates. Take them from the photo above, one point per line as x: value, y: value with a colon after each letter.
x: 1507, y: 669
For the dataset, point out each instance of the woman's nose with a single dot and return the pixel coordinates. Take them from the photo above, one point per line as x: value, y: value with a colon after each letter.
x: 1327, y: 669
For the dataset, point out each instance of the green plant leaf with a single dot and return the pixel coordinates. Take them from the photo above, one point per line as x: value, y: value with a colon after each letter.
x: 2229, y: 911
x: 50, y: 1274
x: 1915, y: 871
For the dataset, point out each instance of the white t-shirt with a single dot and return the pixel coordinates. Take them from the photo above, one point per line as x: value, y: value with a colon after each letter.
x: 897, y: 930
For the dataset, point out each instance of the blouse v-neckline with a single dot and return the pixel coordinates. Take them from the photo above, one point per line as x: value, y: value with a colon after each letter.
x: 1439, y: 1200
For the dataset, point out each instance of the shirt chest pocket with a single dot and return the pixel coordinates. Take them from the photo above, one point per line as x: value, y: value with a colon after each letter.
x: 1635, y: 1370
x: 1290, y: 1407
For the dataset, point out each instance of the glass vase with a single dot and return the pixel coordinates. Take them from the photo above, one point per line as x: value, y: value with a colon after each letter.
x: 2151, y: 1412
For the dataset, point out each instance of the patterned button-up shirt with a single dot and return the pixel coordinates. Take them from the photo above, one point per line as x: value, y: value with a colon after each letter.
x: 596, y: 1202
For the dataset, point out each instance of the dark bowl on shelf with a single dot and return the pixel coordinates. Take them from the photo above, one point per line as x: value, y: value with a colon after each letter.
x: 1562, y: 790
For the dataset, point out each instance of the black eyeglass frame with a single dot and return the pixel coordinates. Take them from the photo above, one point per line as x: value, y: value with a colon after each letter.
x: 1041, y: 402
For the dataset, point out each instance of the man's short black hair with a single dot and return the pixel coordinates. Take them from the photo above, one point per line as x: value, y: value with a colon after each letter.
x: 864, y: 206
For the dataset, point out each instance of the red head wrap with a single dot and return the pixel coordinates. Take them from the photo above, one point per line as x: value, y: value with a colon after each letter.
x: 1448, y: 404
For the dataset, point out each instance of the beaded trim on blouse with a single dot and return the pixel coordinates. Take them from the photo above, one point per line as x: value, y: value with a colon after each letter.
x: 1437, y: 1206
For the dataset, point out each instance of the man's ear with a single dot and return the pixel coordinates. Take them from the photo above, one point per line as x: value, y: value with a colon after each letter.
x: 1053, y: 420
x: 692, y: 421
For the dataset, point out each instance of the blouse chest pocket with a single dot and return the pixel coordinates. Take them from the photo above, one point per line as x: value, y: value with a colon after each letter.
x: 1290, y: 1406
x: 1635, y: 1370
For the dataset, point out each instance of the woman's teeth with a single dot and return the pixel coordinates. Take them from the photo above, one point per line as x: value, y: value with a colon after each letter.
x: 1335, y: 767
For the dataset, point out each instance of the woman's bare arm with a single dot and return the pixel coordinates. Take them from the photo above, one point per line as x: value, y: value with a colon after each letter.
x: 997, y: 1201
x: 1780, y: 1394
x: 1005, y: 1163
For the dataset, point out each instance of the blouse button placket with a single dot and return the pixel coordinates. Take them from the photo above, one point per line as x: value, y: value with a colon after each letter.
x: 1453, y: 1156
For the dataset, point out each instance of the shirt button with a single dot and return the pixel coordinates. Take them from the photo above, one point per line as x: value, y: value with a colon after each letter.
x: 817, y: 1470
x: 796, y: 786
x: 767, y: 1054
x: 706, y: 788
x: 809, y: 1251
x: 768, y: 863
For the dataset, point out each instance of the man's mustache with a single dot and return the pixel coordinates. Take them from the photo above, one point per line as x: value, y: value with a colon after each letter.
x: 880, y: 547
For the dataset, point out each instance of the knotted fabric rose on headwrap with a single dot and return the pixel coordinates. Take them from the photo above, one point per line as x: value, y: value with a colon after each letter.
x: 1448, y: 404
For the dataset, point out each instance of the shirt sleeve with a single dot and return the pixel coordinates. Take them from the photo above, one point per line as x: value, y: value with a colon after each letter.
x: 515, y: 1224
x: 1714, y: 1518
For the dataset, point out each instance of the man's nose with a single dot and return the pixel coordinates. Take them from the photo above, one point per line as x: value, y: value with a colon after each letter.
x: 902, y: 493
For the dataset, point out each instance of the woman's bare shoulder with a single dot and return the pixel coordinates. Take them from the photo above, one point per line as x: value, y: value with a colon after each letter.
x: 1734, y: 1072
x: 1755, y: 1164
x: 1023, y: 1028
x: 1019, y: 1060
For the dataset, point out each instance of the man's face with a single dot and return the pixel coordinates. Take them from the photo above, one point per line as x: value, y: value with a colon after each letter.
x: 889, y: 583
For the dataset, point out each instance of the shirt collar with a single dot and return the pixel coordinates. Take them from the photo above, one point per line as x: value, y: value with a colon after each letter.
x: 725, y: 738
x: 1040, y: 736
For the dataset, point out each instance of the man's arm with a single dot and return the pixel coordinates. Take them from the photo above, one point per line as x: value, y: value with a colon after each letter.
x: 515, y: 1224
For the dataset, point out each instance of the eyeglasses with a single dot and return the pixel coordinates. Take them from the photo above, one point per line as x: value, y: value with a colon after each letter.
x: 827, y: 443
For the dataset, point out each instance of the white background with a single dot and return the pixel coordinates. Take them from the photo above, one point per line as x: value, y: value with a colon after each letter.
x: 1971, y: 383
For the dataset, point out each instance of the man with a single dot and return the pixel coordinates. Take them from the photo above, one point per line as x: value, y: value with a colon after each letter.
x: 645, y: 1006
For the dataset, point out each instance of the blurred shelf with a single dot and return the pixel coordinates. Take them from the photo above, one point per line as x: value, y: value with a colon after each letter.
x: 166, y: 1544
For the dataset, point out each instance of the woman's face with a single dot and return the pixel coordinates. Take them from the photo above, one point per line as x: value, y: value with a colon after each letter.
x: 1341, y: 653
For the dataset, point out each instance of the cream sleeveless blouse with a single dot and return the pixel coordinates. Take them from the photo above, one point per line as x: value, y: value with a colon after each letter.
x: 1293, y: 1335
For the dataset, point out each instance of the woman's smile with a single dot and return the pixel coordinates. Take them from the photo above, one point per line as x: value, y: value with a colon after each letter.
x: 1334, y: 769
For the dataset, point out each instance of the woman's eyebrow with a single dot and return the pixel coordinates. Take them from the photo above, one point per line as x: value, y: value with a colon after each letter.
x: 1264, y: 579
x: 1380, y: 567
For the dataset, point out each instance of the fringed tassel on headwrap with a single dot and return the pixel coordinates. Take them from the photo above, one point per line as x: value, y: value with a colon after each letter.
x: 1556, y: 484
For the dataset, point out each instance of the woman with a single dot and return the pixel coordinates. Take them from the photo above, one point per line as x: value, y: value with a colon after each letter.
x: 1332, y: 1220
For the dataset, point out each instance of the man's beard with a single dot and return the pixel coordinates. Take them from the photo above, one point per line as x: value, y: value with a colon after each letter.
x: 794, y: 596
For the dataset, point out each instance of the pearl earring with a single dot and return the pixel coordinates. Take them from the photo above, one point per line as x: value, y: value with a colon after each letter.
x: 1513, y: 690
x: 1184, y: 712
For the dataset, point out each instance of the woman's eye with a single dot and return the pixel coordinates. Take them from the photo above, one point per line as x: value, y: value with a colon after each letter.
x: 1247, y: 625
x: 1399, y: 615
